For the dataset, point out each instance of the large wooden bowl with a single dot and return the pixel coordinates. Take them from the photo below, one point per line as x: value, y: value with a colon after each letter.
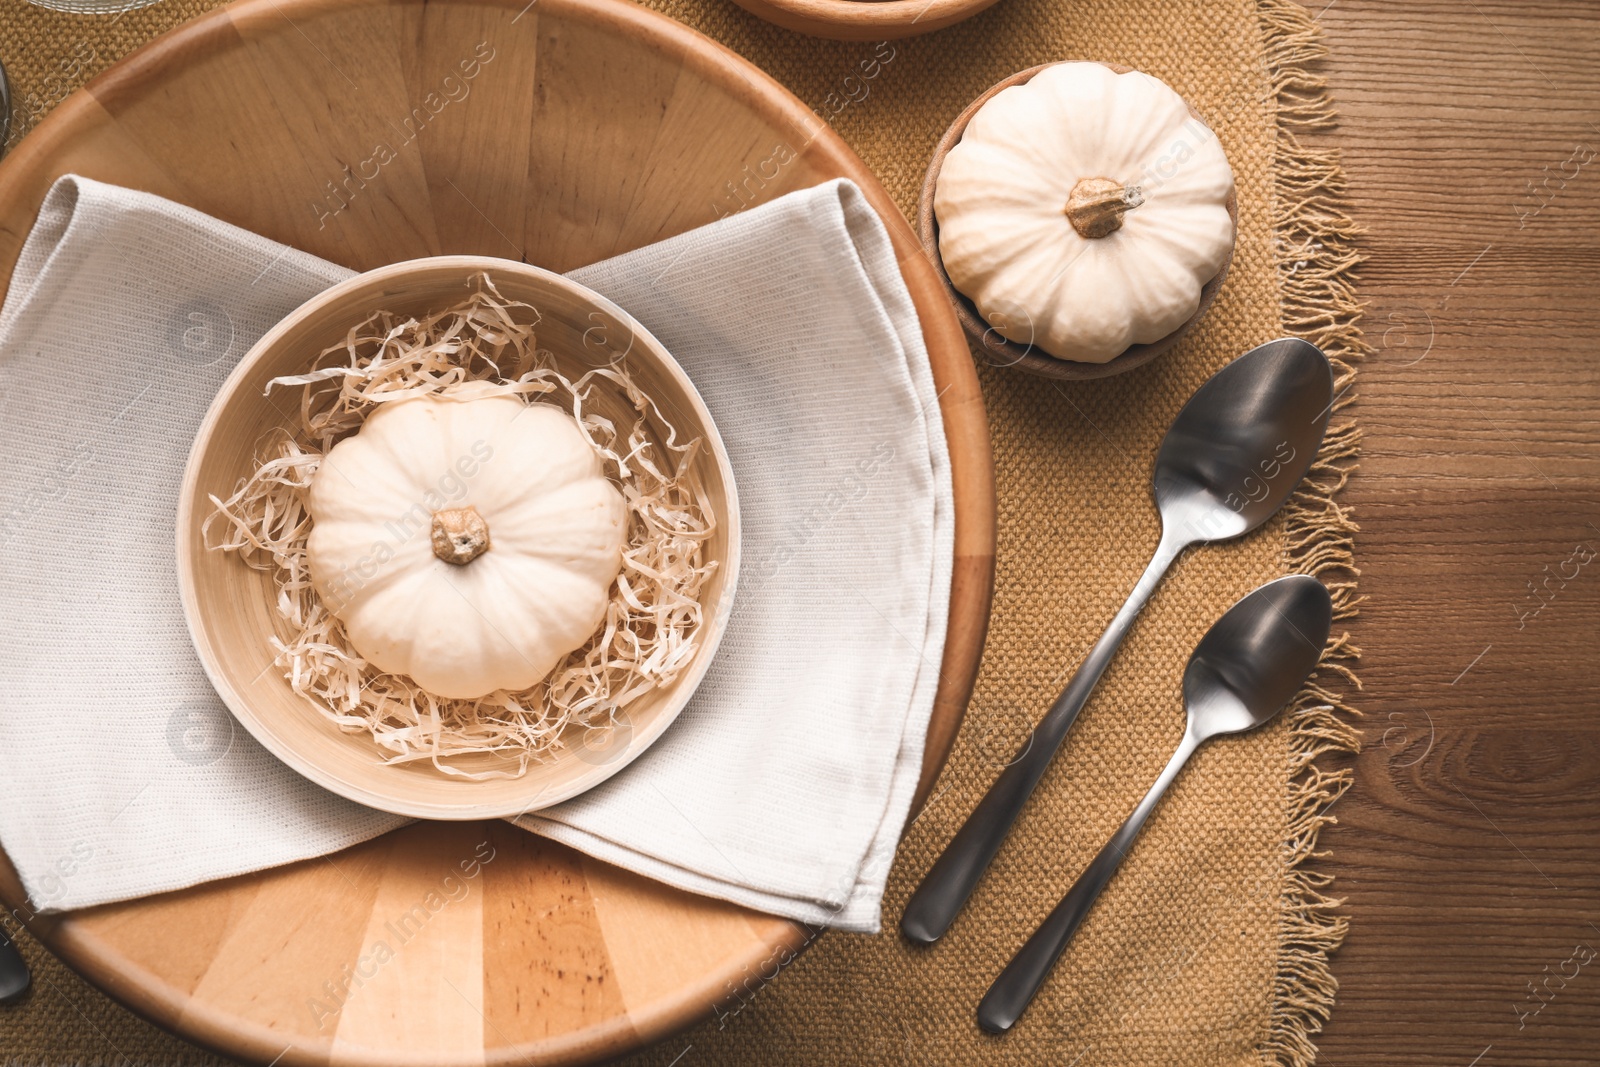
x: 864, y: 20
x: 229, y: 605
x: 599, y: 127
x: 997, y: 349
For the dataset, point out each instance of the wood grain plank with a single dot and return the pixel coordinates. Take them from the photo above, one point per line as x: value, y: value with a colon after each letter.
x: 467, y: 68
x: 655, y: 977
x: 547, y: 967
x: 278, y: 952
x: 1466, y: 849
x: 424, y: 935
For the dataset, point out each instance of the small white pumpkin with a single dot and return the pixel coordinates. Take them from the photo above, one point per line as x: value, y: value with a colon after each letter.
x: 467, y: 541
x: 1084, y: 210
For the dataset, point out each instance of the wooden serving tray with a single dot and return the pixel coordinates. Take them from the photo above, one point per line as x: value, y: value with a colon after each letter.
x: 560, y: 132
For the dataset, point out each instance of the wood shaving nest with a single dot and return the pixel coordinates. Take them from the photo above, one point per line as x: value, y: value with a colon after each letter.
x: 652, y: 618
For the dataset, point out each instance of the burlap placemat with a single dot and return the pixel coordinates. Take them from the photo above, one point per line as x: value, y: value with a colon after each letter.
x: 1210, y: 948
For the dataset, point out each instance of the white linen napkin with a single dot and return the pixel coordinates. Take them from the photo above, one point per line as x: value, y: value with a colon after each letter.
x: 785, y: 783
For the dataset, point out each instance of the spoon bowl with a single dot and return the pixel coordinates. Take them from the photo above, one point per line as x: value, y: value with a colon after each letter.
x: 1243, y: 441
x: 1257, y: 656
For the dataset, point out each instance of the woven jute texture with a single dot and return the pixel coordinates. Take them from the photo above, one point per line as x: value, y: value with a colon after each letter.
x: 1210, y: 948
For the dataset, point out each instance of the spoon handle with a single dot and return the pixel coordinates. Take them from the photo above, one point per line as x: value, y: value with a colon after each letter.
x: 1011, y: 993
x: 937, y: 901
x: 14, y: 975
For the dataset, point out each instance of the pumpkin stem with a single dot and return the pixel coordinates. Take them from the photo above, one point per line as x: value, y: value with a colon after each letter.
x: 1095, y: 205
x: 459, y: 535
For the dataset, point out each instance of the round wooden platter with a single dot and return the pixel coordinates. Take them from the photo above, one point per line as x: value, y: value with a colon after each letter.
x: 585, y: 128
x: 864, y: 20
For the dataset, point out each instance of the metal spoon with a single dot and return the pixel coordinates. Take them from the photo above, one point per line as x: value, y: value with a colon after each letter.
x: 1247, y: 667
x: 14, y: 976
x: 1231, y: 458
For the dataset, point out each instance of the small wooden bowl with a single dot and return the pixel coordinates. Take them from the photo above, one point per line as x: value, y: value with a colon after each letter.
x: 864, y: 20
x: 229, y: 605
x: 998, y: 350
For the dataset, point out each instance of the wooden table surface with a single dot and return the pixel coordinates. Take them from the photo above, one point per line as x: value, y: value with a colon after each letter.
x: 1469, y: 849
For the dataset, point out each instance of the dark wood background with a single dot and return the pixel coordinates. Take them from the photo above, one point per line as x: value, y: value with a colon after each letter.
x: 1469, y: 848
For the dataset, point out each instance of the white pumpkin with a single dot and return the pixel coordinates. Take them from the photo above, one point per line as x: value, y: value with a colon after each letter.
x: 1084, y: 210
x: 468, y: 542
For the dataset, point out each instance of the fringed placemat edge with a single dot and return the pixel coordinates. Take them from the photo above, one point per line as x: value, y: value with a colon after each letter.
x: 1317, y: 264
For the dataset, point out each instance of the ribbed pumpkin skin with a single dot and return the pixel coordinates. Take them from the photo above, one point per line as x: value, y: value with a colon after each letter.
x: 1005, y: 239
x: 502, y: 621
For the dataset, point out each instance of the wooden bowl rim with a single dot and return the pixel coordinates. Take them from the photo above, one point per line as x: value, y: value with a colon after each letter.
x: 864, y: 20
x: 395, y: 802
x: 1027, y: 358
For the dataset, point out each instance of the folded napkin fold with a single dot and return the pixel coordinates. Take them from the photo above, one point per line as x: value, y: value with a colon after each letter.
x: 786, y: 781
